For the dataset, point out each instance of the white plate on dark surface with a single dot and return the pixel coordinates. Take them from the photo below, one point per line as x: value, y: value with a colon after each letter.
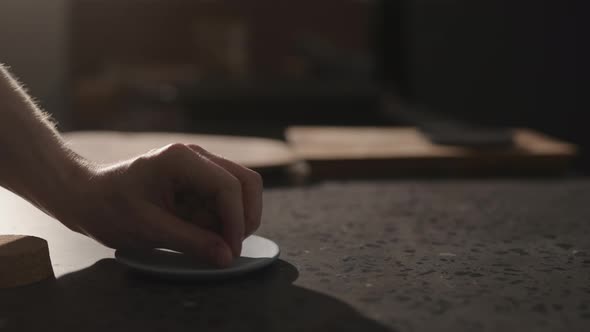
x: 257, y: 253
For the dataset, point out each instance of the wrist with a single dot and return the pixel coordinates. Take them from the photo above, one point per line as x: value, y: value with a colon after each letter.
x: 63, y: 192
x: 51, y: 179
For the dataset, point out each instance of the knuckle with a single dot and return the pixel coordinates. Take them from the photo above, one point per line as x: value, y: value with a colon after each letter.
x: 140, y: 161
x: 175, y: 149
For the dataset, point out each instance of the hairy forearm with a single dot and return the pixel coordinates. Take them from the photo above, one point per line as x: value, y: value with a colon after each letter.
x: 34, y: 162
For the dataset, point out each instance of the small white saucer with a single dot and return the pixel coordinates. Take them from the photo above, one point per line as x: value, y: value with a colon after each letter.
x: 257, y: 253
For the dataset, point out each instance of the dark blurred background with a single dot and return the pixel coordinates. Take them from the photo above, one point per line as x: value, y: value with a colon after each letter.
x: 255, y: 67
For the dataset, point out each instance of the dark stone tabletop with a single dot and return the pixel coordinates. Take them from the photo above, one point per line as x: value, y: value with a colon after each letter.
x: 445, y: 255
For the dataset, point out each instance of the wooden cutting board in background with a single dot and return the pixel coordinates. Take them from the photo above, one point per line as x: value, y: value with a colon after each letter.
x: 105, y: 146
x: 393, y: 151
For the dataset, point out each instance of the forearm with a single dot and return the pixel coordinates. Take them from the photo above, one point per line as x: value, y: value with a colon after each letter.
x: 34, y: 162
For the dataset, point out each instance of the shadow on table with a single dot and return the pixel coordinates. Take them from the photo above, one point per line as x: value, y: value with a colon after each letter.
x: 106, y: 296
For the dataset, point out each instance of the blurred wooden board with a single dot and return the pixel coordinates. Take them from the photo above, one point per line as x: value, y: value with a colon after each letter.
x: 367, y: 151
x: 23, y: 260
x: 107, y: 146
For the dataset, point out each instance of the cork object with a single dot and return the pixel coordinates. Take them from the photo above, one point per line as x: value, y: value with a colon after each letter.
x: 23, y: 260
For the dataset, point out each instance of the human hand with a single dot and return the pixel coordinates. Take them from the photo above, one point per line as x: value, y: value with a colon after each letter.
x: 179, y: 197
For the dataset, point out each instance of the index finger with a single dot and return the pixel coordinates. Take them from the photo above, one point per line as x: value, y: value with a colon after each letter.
x: 251, y: 188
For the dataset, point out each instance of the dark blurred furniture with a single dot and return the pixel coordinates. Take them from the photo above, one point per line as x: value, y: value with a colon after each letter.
x: 206, y: 66
x: 491, y: 63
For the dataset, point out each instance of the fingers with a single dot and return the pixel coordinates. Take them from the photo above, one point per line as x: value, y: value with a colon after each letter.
x: 251, y: 183
x: 210, y: 179
x: 198, y: 210
x: 166, y: 231
x: 231, y: 213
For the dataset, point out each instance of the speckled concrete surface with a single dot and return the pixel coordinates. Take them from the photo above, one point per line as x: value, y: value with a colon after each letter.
x: 447, y: 255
